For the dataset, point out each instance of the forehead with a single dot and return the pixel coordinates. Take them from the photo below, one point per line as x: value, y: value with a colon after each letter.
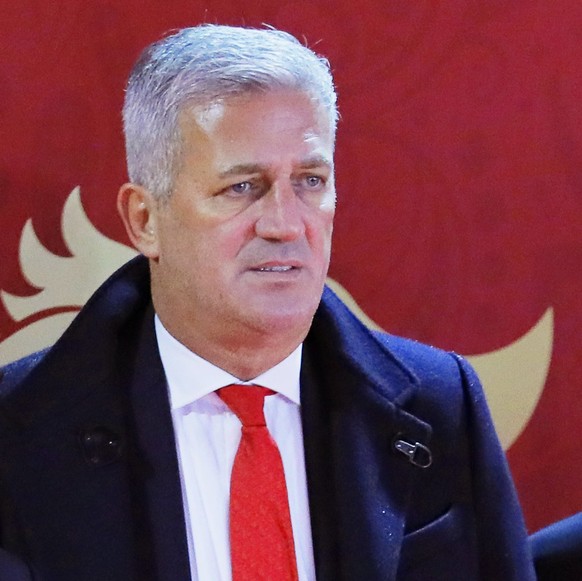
x: 283, y: 112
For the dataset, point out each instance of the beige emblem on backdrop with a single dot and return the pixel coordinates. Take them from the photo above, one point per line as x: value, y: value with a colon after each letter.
x: 513, y: 376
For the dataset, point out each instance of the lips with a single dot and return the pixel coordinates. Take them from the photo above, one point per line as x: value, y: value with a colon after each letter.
x: 274, y: 268
x: 277, y: 267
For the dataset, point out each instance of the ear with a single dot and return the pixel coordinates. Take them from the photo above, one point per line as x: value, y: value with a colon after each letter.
x: 138, y: 210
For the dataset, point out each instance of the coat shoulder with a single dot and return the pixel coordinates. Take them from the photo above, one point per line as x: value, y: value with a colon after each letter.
x: 422, y: 357
x: 16, y: 372
x: 432, y: 366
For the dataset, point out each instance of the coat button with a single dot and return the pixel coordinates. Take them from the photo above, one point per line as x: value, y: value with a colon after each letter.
x: 100, y: 446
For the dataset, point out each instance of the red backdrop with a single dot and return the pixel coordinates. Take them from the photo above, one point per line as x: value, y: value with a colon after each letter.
x: 459, y: 169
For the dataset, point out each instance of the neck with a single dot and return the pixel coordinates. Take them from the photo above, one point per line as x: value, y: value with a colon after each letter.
x: 246, y: 357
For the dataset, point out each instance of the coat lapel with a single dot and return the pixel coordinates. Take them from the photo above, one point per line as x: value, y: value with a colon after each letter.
x: 162, y: 533
x: 352, y: 393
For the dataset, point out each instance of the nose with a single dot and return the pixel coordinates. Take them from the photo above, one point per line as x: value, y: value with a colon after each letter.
x: 280, y: 214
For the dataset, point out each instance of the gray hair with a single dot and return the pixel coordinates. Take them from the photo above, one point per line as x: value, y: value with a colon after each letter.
x: 197, y: 66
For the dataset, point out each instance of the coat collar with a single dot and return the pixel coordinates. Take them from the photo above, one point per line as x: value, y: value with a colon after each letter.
x: 118, y: 305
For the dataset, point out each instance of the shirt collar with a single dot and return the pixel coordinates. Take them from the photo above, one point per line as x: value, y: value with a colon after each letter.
x: 191, y: 377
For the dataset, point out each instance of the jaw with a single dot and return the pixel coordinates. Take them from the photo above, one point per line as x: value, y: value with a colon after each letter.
x: 255, y: 324
x: 280, y: 313
x: 289, y: 297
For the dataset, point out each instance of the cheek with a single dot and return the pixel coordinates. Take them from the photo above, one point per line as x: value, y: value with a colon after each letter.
x: 231, y: 236
x: 182, y: 250
x: 214, y: 251
x: 323, y: 226
x: 319, y: 236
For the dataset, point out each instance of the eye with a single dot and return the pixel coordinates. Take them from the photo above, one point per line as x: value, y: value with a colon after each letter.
x: 313, y: 181
x: 241, y: 187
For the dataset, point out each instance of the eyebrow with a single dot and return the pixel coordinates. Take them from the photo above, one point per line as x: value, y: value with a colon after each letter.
x: 253, y: 168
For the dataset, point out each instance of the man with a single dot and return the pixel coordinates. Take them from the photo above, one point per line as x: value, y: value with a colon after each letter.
x: 120, y: 449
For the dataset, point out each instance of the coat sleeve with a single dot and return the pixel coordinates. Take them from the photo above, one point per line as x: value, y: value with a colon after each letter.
x: 501, y: 535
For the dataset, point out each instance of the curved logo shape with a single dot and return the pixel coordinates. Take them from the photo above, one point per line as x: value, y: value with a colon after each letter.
x: 65, y: 283
x: 513, y: 377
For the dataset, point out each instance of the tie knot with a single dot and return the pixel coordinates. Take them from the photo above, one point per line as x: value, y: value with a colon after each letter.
x: 246, y: 401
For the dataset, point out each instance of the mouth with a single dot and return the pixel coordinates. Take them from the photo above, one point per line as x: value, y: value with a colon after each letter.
x: 277, y: 267
x: 274, y: 268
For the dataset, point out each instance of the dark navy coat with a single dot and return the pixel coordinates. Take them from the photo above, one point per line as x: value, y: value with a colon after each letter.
x: 406, y: 478
x: 557, y: 550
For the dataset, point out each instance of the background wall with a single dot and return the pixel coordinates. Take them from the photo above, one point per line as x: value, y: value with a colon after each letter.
x: 459, y: 168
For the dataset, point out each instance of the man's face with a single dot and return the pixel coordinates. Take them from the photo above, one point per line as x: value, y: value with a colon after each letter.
x: 244, y: 240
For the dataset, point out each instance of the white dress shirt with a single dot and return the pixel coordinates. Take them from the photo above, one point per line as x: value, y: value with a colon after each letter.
x: 207, y: 437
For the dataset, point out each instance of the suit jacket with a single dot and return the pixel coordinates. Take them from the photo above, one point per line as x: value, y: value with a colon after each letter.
x: 406, y: 478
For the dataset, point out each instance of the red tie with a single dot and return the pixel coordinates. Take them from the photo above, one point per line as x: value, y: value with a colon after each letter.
x: 261, y: 538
